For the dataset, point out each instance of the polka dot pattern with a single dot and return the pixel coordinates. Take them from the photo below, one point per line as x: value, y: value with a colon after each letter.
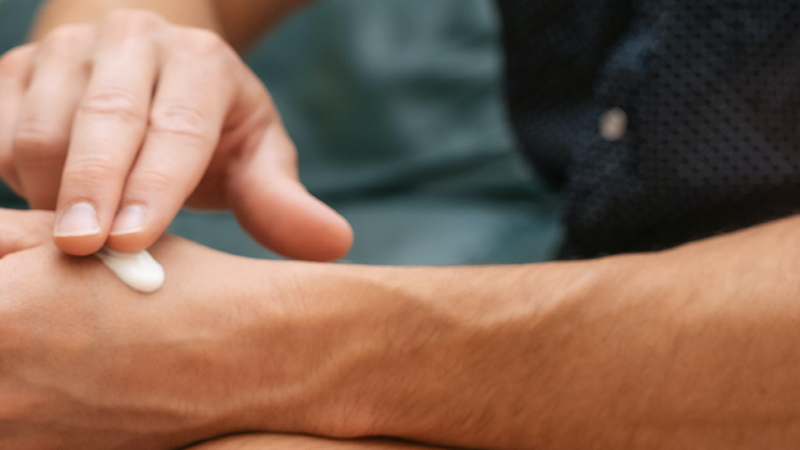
x: 711, y: 90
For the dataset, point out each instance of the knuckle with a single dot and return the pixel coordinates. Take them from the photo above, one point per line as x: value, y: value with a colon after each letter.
x: 90, y: 172
x: 68, y: 38
x: 150, y: 180
x: 118, y: 104
x: 180, y: 120
x: 38, y: 141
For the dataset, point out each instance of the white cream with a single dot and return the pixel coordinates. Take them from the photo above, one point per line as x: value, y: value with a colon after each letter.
x: 140, y: 270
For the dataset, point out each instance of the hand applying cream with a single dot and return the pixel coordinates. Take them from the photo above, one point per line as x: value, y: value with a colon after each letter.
x: 140, y: 270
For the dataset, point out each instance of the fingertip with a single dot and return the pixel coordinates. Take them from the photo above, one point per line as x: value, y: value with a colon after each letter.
x: 274, y: 207
x: 129, y: 220
x: 132, y: 242
x: 340, y: 239
x: 321, y: 236
x: 79, y: 245
x: 134, y: 229
x: 77, y: 230
x: 308, y: 239
x: 294, y: 224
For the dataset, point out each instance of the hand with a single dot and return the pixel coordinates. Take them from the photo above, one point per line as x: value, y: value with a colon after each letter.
x: 86, y: 363
x: 117, y: 125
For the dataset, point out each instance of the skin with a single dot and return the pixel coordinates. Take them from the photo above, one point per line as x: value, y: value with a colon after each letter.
x: 132, y: 117
x: 295, y: 442
x: 61, y: 351
x: 638, y: 351
x: 689, y: 348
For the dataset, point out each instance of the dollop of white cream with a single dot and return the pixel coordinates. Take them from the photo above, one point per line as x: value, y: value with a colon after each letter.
x: 140, y: 270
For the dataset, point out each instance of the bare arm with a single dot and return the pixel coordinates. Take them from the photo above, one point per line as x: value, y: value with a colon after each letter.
x: 690, y: 348
x: 195, y: 13
x: 240, y: 21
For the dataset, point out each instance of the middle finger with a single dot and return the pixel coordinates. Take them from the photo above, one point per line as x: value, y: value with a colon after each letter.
x: 107, y: 134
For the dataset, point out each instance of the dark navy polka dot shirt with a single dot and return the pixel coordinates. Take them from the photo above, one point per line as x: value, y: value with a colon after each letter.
x: 663, y: 121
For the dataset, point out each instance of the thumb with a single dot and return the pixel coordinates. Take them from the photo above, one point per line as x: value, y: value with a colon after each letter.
x: 273, y: 206
x: 21, y: 230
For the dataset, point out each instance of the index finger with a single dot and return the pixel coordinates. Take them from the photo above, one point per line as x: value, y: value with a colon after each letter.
x: 107, y: 134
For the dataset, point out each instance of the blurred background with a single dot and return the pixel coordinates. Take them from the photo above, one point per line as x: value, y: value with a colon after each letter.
x: 396, y: 107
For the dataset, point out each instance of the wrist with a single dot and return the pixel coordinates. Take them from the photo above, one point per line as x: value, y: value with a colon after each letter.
x: 309, y: 336
x: 465, y: 367
x: 438, y: 355
x: 54, y: 13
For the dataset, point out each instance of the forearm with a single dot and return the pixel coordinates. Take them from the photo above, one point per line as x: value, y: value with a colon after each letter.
x: 689, y: 348
x: 54, y: 13
x: 694, y: 345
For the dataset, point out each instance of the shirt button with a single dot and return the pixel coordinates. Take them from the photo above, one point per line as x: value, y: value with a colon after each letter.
x: 613, y: 124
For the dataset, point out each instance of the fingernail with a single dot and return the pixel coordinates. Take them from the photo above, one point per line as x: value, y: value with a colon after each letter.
x: 130, y: 219
x: 79, y: 220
